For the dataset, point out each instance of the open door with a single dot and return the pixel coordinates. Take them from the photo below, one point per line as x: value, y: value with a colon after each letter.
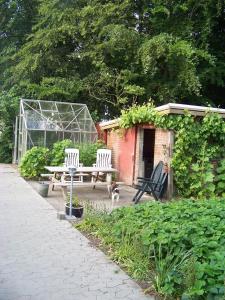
x: 148, y: 151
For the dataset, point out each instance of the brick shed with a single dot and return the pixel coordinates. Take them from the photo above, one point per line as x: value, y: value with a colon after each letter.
x: 137, y: 150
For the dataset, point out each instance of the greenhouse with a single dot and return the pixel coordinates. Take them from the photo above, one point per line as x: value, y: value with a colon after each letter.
x: 42, y: 123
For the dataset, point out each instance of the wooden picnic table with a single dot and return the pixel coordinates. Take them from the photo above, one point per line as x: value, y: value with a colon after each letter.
x: 60, y: 170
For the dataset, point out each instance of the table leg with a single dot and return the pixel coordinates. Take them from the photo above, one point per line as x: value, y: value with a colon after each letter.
x: 64, y: 192
x: 54, y: 179
x: 95, y: 180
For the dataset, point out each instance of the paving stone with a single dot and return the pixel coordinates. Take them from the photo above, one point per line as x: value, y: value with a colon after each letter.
x: 44, y: 258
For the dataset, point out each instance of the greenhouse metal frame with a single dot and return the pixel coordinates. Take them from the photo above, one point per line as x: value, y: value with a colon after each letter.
x: 42, y: 123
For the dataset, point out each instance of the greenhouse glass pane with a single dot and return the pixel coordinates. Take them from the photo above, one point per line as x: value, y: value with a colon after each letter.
x: 42, y: 123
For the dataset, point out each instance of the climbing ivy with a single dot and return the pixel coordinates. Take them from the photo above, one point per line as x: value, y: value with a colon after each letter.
x: 220, y: 178
x: 198, y: 141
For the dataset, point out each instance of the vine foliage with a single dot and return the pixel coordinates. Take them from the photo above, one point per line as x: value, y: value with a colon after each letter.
x: 198, y: 143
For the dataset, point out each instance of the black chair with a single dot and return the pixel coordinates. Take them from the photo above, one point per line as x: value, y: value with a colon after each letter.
x: 155, y: 185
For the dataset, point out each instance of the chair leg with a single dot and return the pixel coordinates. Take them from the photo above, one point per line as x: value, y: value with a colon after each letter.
x: 139, y: 197
x: 95, y: 179
x: 140, y: 193
x: 136, y: 195
x: 153, y: 193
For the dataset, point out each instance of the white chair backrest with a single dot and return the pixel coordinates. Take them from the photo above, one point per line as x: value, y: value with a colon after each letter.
x: 103, y: 159
x: 72, y: 157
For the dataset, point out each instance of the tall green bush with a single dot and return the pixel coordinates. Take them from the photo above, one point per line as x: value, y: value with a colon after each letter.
x: 9, y: 107
x: 88, y: 152
x: 58, y: 151
x: 220, y: 178
x: 34, y: 161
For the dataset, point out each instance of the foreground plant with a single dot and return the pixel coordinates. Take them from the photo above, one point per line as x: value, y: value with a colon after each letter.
x: 177, y: 247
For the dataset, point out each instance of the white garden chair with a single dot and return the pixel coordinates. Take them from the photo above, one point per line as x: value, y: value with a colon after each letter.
x: 103, y: 160
x: 72, y: 159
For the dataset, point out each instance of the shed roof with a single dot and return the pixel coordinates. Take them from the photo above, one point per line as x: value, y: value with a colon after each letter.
x: 172, y: 108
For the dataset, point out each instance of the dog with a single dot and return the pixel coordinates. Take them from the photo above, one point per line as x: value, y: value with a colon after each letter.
x: 114, y: 192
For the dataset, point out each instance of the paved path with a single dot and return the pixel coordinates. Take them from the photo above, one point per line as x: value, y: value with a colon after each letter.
x: 42, y: 258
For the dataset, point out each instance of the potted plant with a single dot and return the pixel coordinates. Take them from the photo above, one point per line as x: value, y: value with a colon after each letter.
x: 77, y: 208
x: 43, y: 188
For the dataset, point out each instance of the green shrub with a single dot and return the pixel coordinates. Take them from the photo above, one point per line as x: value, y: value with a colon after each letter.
x: 183, y: 241
x: 220, y: 178
x: 88, y: 152
x: 58, y: 151
x: 33, y: 162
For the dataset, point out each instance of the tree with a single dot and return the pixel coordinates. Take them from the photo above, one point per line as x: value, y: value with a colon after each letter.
x: 102, y: 47
x: 16, y: 20
x: 109, y: 54
x: 171, y: 67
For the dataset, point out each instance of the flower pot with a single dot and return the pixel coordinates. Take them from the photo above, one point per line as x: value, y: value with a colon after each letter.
x: 43, y: 189
x: 76, y: 211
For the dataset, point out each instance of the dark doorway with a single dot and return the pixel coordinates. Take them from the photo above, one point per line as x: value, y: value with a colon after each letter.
x: 148, y: 151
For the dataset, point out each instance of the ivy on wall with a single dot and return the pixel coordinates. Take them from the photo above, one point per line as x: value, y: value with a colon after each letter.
x: 198, y: 141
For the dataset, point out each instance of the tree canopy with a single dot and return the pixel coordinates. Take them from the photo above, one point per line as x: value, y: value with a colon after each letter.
x: 110, y: 54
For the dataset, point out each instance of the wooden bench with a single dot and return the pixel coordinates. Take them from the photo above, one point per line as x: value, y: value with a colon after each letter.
x: 64, y: 185
x: 50, y: 175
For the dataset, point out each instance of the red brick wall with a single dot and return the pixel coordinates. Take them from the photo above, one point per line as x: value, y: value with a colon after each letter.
x: 161, y: 138
x: 127, y: 156
x: 122, y: 146
x: 113, y: 143
x: 125, y: 153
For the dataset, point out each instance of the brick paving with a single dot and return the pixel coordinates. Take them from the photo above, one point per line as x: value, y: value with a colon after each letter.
x: 43, y: 258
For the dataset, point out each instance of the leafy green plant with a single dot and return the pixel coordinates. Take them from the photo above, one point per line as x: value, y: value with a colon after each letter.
x: 88, y: 152
x: 181, y: 244
x: 34, y: 161
x: 201, y: 175
x: 75, y: 201
x: 220, y: 178
x: 167, y: 269
x: 58, y: 151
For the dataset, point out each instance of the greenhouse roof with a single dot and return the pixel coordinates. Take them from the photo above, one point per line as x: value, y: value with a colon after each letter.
x: 56, y: 116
